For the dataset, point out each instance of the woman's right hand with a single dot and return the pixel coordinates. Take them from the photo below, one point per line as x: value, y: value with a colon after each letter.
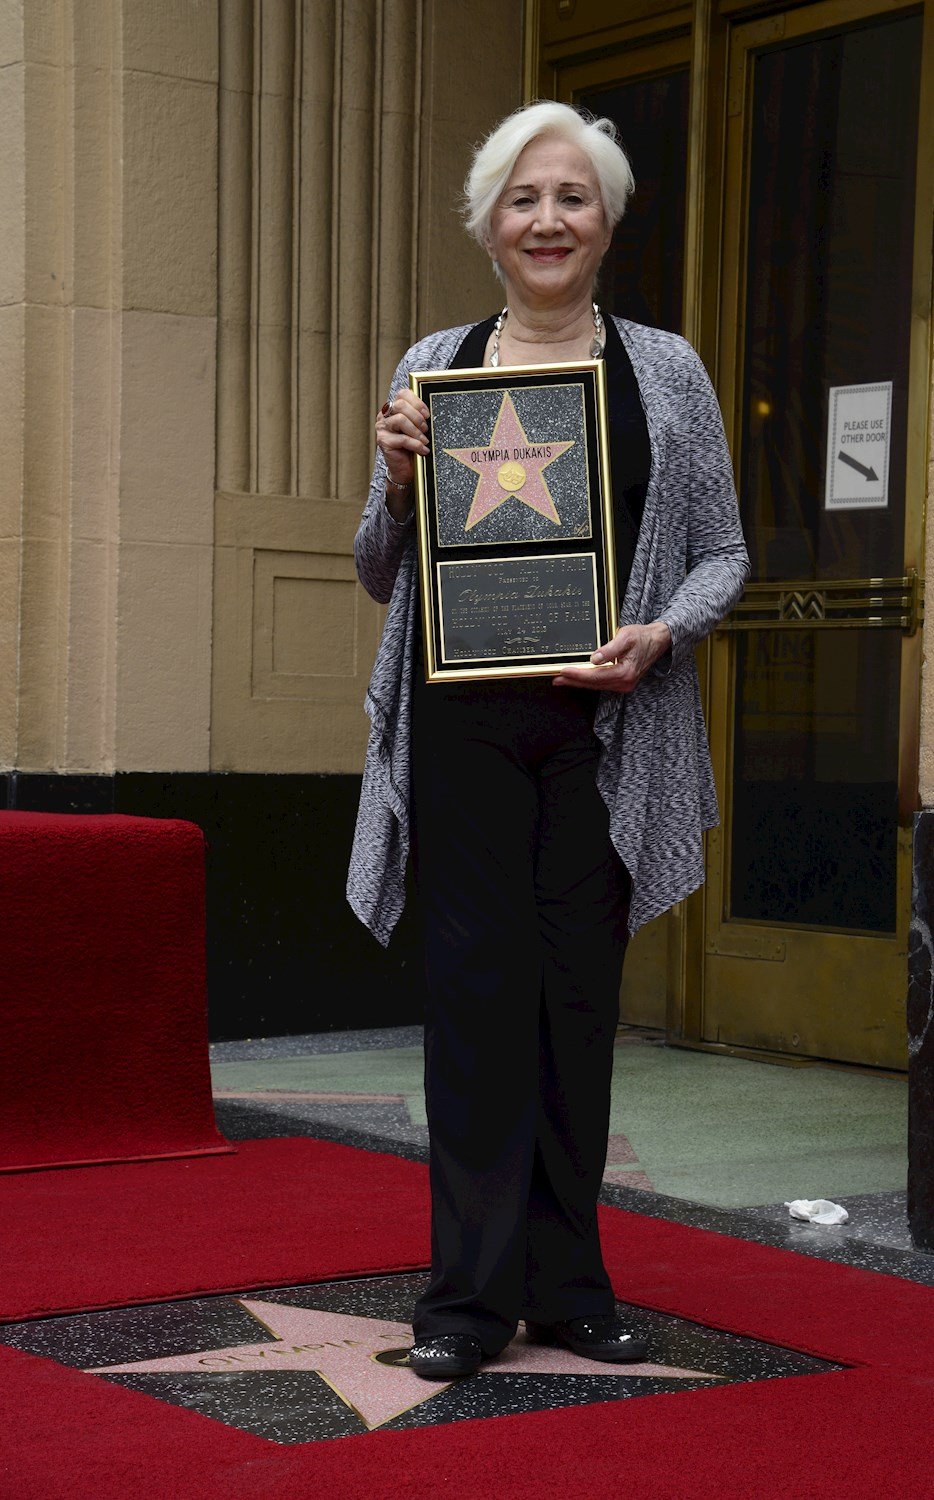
x: 401, y: 433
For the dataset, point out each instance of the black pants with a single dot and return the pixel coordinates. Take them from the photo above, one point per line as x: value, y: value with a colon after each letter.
x: 524, y: 903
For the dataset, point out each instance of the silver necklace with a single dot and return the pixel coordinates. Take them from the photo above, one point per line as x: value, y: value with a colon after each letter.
x: 596, y: 348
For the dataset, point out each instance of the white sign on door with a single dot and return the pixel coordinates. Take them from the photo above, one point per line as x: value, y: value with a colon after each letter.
x: 859, y: 424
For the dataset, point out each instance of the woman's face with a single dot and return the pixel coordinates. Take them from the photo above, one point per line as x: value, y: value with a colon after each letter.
x: 549, y: 232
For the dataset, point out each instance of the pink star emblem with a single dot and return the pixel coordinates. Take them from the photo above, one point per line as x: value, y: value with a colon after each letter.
x: 363, y: 1359
x: 510, y: 466
x: 340, y: 1347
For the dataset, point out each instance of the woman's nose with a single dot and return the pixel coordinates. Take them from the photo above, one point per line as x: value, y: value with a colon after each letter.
x: 548, y: 217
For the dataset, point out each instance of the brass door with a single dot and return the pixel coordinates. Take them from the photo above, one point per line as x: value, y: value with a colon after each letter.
x: 643, y: 86
x: 814, y: 681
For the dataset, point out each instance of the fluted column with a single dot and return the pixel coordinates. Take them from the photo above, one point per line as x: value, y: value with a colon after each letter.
x: 317, y: 247
x: 325, y: 109
x: 319, y: 173
x: 235, y: 244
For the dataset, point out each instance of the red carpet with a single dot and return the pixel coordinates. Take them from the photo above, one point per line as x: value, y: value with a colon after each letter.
x: 278, y: 1211
x: 858, y: 1434
x: 102, y: 991
x: 310, y: 1210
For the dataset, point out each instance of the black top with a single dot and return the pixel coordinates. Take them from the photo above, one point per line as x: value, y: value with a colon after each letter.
x: 630, y: 455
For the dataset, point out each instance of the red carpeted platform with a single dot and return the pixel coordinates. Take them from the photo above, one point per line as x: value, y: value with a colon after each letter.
x: 328, y: 1211
x: 102, y: 991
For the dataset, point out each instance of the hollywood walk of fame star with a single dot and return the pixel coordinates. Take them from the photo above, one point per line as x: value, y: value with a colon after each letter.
x: 508, y: 466
x: 362, y: 1359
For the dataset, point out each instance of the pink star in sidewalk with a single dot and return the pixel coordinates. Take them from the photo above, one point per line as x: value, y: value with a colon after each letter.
x: 339, y: 1347
x: 510, y: 465
x: 362, y: 1359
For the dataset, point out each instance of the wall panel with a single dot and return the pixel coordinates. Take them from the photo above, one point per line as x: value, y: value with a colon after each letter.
x: 327, y: 254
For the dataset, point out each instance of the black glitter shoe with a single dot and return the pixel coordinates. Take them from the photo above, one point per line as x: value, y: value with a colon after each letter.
x: 601, y: 1337
x: 446, y: 1357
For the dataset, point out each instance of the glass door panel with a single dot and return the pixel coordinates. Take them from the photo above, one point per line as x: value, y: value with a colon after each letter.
x: 815, y: 778
x: 834, y: 124
x: 644, y: 90
x: 642, y: 277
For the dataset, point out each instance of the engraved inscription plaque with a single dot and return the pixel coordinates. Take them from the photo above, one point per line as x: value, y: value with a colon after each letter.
x: 518, y: 607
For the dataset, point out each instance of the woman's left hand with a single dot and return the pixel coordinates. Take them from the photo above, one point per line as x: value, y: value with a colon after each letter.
x: 622, y: 662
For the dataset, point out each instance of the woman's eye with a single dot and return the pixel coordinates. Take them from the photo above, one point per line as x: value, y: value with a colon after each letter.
x: 574, y: 199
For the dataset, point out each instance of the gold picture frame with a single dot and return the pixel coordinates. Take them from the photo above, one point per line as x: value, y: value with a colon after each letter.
x: 514, y: 510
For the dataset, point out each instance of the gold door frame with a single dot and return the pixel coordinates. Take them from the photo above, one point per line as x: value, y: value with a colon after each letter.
x: 559, y: 37
x: 637, y: 48
x: 892, y: 603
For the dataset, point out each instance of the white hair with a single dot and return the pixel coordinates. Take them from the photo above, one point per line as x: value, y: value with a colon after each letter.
x: 496, y: 156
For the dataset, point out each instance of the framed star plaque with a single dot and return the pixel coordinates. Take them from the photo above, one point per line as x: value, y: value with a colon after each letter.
x: 515, y: 520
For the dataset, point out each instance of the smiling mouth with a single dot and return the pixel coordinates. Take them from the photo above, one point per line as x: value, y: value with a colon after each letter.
x: 558, y: 253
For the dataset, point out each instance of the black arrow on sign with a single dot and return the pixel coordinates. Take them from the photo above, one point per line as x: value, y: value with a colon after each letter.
x: 860, y: 468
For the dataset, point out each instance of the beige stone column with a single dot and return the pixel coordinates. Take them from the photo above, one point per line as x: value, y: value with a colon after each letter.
x: 107, y: 358
x: 33, y: 376
x: 168, y: 224
x: 12, y: 363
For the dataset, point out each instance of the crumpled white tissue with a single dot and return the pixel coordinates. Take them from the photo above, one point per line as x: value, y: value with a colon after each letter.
x: 817, y: 1211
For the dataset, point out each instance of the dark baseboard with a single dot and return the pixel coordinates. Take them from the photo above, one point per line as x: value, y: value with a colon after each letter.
x: 285, y: 953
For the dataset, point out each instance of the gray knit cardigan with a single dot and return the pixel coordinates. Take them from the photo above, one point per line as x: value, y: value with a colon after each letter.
x: 689, y: 568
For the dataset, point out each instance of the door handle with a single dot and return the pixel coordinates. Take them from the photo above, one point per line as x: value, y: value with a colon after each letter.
x: 844, y: 604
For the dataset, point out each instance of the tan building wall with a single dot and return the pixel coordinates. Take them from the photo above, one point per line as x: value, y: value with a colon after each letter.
x: 109, y: 331
x: 222, y: 223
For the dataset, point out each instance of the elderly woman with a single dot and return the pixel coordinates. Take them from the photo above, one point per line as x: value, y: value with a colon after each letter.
x: 548, y: 818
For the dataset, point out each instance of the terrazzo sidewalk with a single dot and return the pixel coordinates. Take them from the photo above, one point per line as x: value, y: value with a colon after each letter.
x: 713, y: 1129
